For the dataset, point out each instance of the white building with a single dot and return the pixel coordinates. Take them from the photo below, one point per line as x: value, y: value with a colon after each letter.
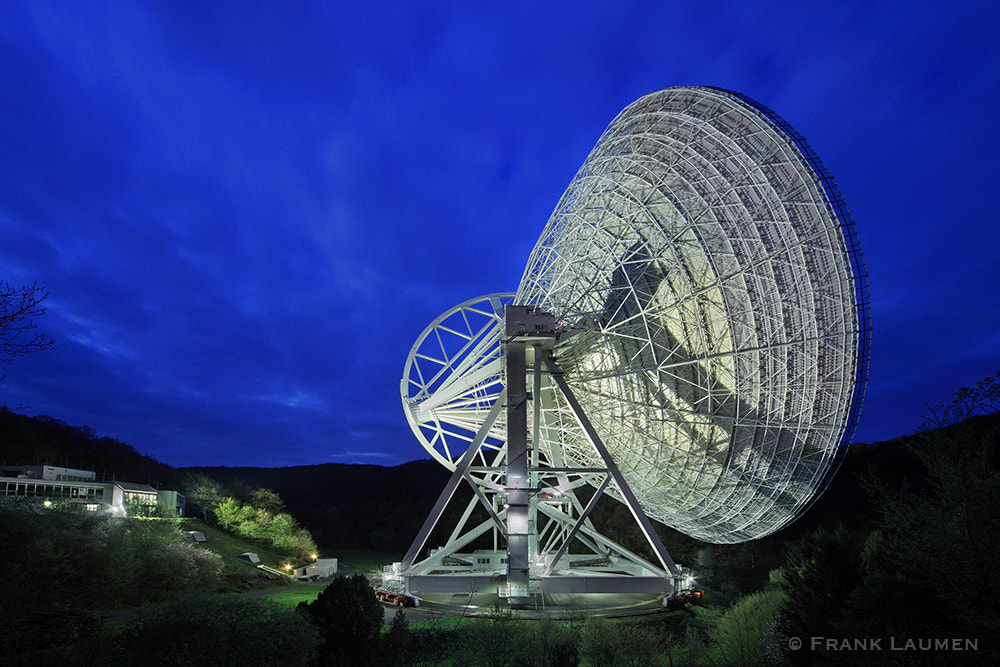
x: 67, y: 487
x: 322, y: 568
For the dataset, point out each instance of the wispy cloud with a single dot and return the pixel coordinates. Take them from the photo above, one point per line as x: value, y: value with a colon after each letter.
x: 245, y: 217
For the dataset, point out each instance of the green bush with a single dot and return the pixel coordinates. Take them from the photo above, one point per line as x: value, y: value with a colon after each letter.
x: 77, y: 559
x: 607, y: 643
x: 498, y: 640
x: 745, y: 633
x: 280, y: 531
x: 553, y: 644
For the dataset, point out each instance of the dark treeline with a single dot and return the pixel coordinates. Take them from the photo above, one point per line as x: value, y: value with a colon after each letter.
x: 43, y: 440
x: 348, y: 506
x: 343, y: 506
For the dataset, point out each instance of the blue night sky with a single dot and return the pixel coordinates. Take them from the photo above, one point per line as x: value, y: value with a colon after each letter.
x: 245, y: 214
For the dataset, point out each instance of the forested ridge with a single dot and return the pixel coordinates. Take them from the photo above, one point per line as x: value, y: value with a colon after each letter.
x: 344, y: 506
x: 348, y: 506
x: 44, y: 440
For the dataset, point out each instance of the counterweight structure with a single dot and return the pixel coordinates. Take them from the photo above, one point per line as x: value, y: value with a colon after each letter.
x: 700, y: 355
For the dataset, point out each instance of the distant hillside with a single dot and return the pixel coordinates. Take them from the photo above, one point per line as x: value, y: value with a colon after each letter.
x: 46, y: 441
x: 382, y: 508
x: 372, y: 507
x: 894, y: 464
x: 343, y: 506
x: 349, y: 506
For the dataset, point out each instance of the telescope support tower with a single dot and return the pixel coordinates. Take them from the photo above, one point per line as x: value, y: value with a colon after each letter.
x: 531, y: 501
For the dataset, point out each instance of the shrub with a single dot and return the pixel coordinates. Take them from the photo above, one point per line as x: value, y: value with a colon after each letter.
x: 349, y: 620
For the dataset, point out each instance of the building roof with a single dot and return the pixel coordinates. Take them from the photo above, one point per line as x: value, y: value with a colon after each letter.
x: 132, y: 486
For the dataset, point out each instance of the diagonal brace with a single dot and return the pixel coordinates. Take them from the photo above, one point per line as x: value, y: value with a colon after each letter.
x: 576, y: 527
x: 456, y: 477
x: 630, y: 500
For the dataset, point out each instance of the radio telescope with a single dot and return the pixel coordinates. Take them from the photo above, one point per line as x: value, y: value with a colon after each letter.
x: 690, y: 337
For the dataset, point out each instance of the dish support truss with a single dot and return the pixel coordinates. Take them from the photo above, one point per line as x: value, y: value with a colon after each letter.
x: 717, y: 271
x: 527, y: 487
x: 712, y: 317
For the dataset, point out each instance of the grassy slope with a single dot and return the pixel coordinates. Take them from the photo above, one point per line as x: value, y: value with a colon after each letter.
x: 230, y: 547
x: 244, y: 576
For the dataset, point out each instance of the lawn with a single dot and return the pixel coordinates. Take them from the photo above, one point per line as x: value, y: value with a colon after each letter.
x: 293, y: 597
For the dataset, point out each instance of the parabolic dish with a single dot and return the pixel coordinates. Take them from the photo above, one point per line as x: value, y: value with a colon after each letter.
x: 713, y: 272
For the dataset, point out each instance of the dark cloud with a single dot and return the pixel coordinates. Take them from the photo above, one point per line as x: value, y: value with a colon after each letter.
x: 246, y: 215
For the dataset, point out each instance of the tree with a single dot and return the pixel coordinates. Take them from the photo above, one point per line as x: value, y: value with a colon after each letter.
x: 267, y: 499
x: 19, y: 334
x: 349, y: 619
x: 396, y: 642
x: 203, y: 492
x: 930, y: 567
x: 979, y: 399
x: 822, y: 570
x: 743, y: 635
x: 932, y: 561
x: 231, y: 513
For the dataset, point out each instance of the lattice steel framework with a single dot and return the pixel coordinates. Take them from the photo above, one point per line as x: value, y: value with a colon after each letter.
x: 459, y: 392
x: 452, y: 378
x: 711, y: 261
x: 711, y: 287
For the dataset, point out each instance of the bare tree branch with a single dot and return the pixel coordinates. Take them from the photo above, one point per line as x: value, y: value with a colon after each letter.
x: 19, y: 335
x: 982, y: 398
